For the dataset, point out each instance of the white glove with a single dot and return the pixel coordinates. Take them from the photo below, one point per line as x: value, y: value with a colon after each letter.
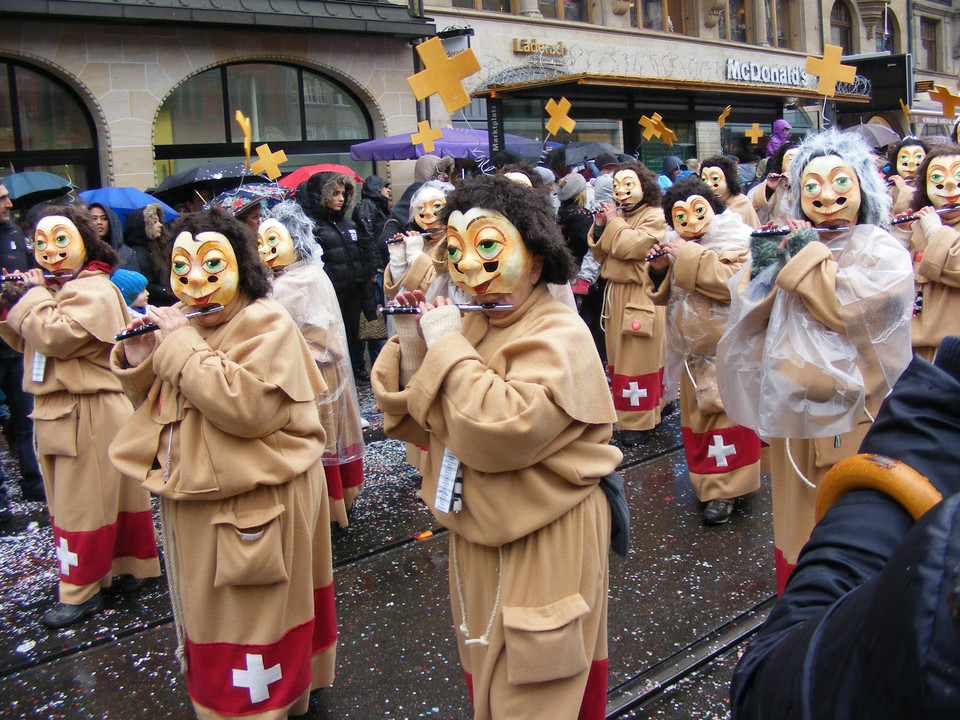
x: 412, y: 346
x: 414, y: 244
x: 440, y: 322
x: 398, y: 260
x: 930, y: 223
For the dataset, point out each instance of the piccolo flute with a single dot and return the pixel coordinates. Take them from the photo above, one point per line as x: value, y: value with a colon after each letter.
x: 463, y: 307
x: 654, y: 256
x: 772, y: 232
x: 429, y: 235
x: 46, y: 276
x: 911, y: 218
x: 150, y: 327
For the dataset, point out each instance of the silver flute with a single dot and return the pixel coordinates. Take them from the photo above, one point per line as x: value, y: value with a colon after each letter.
x: 150, y: 327
x: 463, y: 307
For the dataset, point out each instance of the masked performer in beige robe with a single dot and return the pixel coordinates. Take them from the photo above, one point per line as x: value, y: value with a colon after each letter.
x: 720, y: 173
x: 517, y: 417
x: 621, y: 239
x: 102, y: 523
x: 706, y: 245
x: 227, y: 432
x: 935, y: 247
x: 771, y: 199
x: 286, y: 245
x: 906, y: 158
x: 819, y: 329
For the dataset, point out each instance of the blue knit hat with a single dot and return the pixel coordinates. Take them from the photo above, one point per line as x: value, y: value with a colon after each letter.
x: 130, y: 282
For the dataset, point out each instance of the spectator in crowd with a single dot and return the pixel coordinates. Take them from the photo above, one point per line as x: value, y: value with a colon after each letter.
x: 144, y: 233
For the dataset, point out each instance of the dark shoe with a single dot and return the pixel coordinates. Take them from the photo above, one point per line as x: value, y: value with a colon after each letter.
x: 669, y: 409
x: 717, y: 512
x: 63, y: 615
x: 129, y: 583
x: 33, y: 491
x: 633, y: 438
x: 361, y: 375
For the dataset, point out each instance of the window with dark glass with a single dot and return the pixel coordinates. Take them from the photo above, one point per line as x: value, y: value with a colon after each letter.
x: 929, y: 30
x: 733, y: 24
x: 841, y: 27
x: 675, y: 16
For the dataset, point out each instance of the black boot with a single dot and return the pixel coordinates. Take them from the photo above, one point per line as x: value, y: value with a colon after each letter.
x: 634, y: 438
x: 717, y: 512
x: 129, y: 583
x: 63, y: 614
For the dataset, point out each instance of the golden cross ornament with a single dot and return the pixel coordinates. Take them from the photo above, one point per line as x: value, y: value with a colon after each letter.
x: 651, y: 126
x: 558, y: 116
x: 425, y: 136
x: 244, y: 123
x: 754, y: 133
x: 830, y: 70
x: 948, y: 101
x: 905, y: 109
x: 722, y: 120
x: 666, y: 134
x: 443, y: 75
x: 269, y: 162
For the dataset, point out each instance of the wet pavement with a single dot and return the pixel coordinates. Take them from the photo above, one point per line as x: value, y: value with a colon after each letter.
x: 681, y: 606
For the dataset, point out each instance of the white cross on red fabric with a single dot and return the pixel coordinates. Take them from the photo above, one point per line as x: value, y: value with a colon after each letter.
x: 67, y: 559
x: 720, y: 452
x: 633, y: 392
x: 256, y: 678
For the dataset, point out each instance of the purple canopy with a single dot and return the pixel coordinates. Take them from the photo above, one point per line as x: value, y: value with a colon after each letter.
x: 456, y: 142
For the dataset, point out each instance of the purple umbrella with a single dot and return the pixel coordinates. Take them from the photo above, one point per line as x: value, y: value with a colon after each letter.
x: 456, y: 142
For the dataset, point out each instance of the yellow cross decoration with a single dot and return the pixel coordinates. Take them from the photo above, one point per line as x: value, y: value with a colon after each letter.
x: 948, y: 101
x: 905, y: 109
x: 651, y: 126
x: 558, y: 116
x: 244, y: 123
x: 830, y: 70
x: 666, y: 134
x: 754, y: 133
x: 426, y: 135
x: 722, y: 120
x: 443, y: 74
x: 269, y: 162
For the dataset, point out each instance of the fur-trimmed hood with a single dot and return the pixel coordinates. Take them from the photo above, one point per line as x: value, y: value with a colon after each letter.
x: 314, y: 193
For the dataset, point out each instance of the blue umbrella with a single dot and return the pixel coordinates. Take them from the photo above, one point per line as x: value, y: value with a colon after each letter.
x: 33, y: 186
x: 124, y: 200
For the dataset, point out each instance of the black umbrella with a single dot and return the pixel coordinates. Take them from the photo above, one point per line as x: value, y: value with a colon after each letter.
x: 215, y: 176
x: 575, y: 152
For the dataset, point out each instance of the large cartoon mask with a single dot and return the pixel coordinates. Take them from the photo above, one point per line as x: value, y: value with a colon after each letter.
x: 204, y: 269
x: 909, y: 159
x: 426, y: 214
x: 943, y: 180
x: 692, y: 217
x: 830, y: 192
x: 275, y: 244
x: 627, y: 190
x: 486, y: 255
x: 57, y: 245
x: 714, y: 177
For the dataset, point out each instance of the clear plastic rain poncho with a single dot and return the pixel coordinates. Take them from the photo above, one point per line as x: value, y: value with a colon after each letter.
x: 784, y: 374
x: 695, y: 322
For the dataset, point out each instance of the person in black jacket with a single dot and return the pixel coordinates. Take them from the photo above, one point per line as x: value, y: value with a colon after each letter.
x: 325, y: 198
x: 869, y: 623
x: 369, y: 216
x: 145, y: 234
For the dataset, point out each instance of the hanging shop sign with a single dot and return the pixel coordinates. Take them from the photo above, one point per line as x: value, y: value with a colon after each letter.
x: 527, y: 46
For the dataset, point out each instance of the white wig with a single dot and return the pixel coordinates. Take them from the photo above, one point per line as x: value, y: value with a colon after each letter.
x: 300, y: 227
x: 430, y: 190
x: 875, y: 200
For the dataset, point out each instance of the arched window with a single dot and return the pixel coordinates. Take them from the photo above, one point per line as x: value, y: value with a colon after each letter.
x: 311, y: 117
x: 887, y: 34
x: 841, y: 27
x: 44, y: 125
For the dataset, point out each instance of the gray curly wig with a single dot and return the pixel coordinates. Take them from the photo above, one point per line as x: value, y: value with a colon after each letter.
x: 430, y: 190
x: 875, y: 200
x: 300, y: 227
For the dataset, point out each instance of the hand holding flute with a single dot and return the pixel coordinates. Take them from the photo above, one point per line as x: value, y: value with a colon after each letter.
x: 139, y: 338
x: 903, y: 218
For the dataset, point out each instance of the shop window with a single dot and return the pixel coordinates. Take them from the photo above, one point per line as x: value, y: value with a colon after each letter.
x: 929, y: 52
x: 674, y: 16
x: 841, y: 27
x: 734, y: 25
x: 312, y: 118
x: 44, y: 125
x: 783, y: 23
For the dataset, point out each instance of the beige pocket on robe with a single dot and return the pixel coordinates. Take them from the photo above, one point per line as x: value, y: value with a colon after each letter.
x: 55, y: 428
x: 545, y: 643
x: 638, y: 320
x: 250, y: 547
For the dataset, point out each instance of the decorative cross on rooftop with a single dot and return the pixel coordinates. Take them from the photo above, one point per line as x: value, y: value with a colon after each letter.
x: 719, y: 451
x: 426, y: 135
x: 754, y: 133
x: 633, y: 392
x: 558, y: 116
x: 722, y: 120
x: 67, y: 559
x: 443, y: 74
x: 651, y: 126
x: 257, y: 678
x: 268, y: 162
x: 830, y: 70
x: 948, y: 101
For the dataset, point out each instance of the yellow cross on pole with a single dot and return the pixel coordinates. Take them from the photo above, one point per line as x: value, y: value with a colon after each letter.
x: 754, y: 133
x: 244, y: 123
x: 722, y: 120
x: 666, y: 134
x: 948, y: 101
x: 558, y: 116
x: 651, y: 126
x: 443, y: 74
x: 830, y: 70
x: 426, y: 135
x: 269, y: 162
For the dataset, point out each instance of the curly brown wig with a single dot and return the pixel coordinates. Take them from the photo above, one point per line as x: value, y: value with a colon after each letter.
x: 729, y: 168
x: 894, y: 150
x: 255, y: 277
x: 97, y: 249
x: 920, y: 197
x: 683, y: 189
x: 528, y: 212
x: 652, y: 194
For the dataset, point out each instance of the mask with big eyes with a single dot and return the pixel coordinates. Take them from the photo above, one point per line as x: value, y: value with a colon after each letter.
x: 692, y: 217
x: 57, y: 245
x: 627, y: 190
x: 427, y: 214
x: 785, y: 163
x: 275, y: 244
x: 943, y: 181
x: 909, y: 159
x: 485, y: 253
x: 204, y: 269
x: 830, y: 192
x: 714, y: 177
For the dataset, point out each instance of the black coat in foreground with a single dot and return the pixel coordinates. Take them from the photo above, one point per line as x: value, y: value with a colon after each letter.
x: 864, y: 628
